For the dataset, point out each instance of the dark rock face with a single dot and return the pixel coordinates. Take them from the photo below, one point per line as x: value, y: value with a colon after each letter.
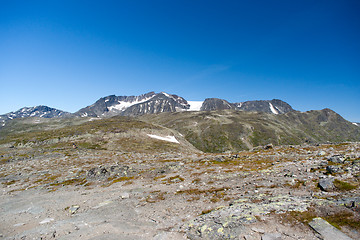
x: 274, y: 106
x: 213, y: 104
x: 161, y: 102
x: 112, y: 105
x: 134, y: 105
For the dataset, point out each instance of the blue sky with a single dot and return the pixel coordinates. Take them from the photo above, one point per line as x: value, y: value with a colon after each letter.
x: 67, y: 54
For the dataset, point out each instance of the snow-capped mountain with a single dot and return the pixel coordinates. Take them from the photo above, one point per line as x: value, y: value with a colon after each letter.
x: 149, y: 103
x: 274, y: 106
x: 134, y: 105
x: 38, y: 111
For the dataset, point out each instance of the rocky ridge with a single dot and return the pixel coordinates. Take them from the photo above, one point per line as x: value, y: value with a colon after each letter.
x: 149, y: 103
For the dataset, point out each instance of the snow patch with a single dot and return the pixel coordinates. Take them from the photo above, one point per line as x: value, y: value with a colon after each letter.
x: 195, y: 105
x: 356, y: 124
x: 273, y: 110
x: 122, y: 106
x: 167, y: 138
x: 84, y: 114
x: 168, y: 95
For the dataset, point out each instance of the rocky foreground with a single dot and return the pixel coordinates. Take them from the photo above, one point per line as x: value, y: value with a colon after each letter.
x: 286, y: 192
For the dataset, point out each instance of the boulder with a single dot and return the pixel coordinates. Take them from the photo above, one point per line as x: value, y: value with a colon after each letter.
x: 337, y: 159
x: 331, y: 169
x: 326, y: 184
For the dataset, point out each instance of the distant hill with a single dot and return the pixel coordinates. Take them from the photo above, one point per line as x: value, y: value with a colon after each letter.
x: 231, y: 130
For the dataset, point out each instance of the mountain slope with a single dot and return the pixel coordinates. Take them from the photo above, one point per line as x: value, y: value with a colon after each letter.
x: 229, y: 130
x: 124, y: 134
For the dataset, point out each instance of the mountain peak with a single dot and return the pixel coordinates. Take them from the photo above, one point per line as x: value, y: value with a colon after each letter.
x: 37, y: 111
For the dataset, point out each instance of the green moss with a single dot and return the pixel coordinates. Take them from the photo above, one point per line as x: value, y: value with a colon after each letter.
x: 343, y: 186
x: 343, y: 219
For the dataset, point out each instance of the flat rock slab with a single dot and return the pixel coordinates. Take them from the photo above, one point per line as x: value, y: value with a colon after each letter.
x: 327, y: 231
x: 271, y: 236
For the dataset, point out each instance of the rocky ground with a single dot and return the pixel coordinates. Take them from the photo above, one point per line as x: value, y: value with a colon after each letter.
x: 266, y: 193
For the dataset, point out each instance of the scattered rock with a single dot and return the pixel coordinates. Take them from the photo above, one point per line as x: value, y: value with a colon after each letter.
x: 333, y: 169
x: 337, y: 159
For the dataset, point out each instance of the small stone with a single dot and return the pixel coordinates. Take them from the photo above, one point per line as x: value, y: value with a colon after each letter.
x: 125, y: 195
x: 258, y: 230
x: 271, y: 236
x: 249, y: 237
x: 269, y: 146
x: 73, y: 209
x: 46, y: 220
x: 321, y: 153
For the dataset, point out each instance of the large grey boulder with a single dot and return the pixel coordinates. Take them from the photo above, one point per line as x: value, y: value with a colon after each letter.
x: 326, y: 184
x: 327, y: 231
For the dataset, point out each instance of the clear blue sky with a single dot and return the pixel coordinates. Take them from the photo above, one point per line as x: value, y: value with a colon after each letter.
x: 67, y: 54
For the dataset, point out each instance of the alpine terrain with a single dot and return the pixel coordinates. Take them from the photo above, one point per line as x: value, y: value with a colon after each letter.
x: 156, y: 166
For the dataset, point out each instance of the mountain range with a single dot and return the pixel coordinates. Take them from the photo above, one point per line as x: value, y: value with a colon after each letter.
x: 212, y: 125
x: 149, y: 103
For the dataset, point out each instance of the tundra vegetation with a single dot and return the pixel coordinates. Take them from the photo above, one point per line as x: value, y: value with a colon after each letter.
x: 231, y: 175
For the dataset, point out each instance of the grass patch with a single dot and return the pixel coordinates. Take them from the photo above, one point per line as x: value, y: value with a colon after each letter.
x: 343, y: 186
x: 206, y: 211
x: 344, y: 219
x: 174, y: 179
x: 155, y: 196
x: 73, y: 181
